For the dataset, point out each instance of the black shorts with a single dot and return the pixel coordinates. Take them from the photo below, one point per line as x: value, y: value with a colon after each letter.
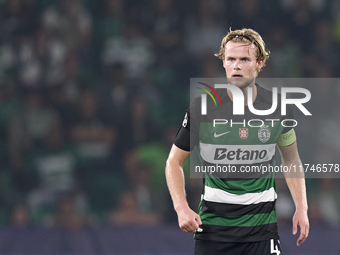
x: 267, y: 247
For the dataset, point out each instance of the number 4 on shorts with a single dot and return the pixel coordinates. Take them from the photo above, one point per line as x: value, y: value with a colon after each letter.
x: 274, y: 250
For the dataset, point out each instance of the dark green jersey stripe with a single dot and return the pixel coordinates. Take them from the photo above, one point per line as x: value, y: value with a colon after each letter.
x: 241, y: 221
x: 241, y: 186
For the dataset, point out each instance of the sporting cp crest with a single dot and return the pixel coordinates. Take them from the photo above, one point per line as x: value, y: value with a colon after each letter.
x: 264, y: 133
x: 243, y: 132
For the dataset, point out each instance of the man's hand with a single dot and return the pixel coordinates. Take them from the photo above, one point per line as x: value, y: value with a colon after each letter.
x: 300, y: 219
x: 188, y: 220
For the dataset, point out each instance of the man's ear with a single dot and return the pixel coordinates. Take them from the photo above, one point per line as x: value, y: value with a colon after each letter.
x: 259, y: 64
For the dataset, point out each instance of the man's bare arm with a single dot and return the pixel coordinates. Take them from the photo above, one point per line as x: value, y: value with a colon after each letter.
x: 188, y: 220
x: 296, y: 184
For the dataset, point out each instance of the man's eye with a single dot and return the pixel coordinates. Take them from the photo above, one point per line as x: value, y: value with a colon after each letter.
x: 245, y: 60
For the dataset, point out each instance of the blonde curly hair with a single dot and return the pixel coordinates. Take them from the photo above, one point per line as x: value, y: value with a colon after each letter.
x: 245, y: 35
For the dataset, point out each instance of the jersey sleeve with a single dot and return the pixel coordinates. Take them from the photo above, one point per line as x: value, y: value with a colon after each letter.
x: 288, y: 136
x: 187, y: 135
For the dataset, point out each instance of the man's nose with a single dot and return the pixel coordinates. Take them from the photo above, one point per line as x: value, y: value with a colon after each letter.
x: 237, y: 64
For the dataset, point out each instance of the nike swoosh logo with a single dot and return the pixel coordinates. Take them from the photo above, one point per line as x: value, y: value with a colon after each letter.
x: 218, y: 135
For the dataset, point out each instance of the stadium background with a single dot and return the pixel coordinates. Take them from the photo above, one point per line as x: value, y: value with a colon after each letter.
x: 92, y: 94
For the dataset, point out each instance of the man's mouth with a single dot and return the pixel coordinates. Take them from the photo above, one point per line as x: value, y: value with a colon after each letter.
x: 237, y: 76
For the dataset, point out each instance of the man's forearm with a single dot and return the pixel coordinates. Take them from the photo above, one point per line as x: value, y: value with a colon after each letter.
x: 188, y: 220
x: 297, y: 186
x: 297, y: 189
x: 175, y: 180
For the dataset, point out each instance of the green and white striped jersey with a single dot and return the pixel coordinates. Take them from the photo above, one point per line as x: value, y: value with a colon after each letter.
x: 237, y: 205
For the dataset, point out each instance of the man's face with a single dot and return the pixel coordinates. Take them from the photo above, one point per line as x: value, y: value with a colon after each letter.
x: 240, y: 64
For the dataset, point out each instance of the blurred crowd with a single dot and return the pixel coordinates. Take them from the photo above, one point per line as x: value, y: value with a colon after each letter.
x: 92, y: 94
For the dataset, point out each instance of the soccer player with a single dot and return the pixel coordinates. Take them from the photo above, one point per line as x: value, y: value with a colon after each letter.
x: 237, y: 215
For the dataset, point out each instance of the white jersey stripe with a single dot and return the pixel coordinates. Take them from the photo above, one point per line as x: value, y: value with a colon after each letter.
x: 221, y: 196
